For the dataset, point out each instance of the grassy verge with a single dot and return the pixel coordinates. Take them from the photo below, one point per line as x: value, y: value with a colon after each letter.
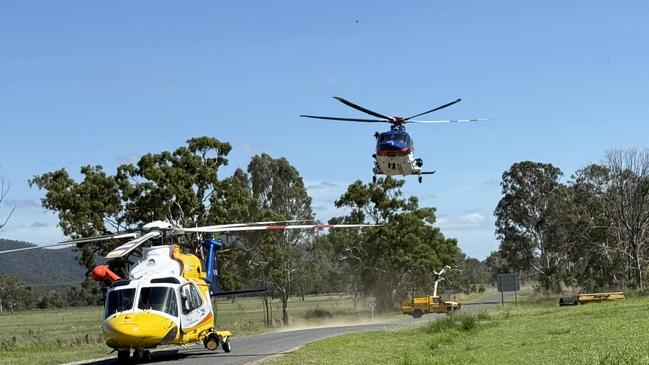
x: 536, y: 333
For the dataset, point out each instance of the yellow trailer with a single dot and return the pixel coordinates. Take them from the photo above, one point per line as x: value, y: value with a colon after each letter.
x: 590, y: 298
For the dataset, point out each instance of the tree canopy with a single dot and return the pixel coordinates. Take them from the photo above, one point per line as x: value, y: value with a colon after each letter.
x: 592, y: 232
x: 398, y: 257
x: 184, y: 187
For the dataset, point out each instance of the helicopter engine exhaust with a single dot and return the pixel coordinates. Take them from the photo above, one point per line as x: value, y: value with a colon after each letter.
x: 213, y: 248
x: 102, y: 272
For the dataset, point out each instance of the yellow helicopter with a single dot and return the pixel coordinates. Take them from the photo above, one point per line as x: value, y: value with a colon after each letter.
x: 166, y: 298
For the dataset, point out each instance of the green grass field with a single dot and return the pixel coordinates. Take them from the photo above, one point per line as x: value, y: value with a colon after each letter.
x: 51, y: 336
x: 63, y: 335
x: 537, y: 332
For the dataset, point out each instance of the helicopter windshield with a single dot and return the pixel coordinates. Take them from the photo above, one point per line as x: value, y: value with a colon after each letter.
x: 401, y: 137
x: 159, y: 298
x: 119, y: 300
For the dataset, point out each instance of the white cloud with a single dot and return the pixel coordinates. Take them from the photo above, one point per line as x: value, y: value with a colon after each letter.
x: 332, y: 80
x: 22, y: 203
x: 473, y: 230
x: 246, y: 146
x: 128, y: 159
x: 491, y: 182
x: 322, y: 185
x: 474, y: 218
x: 37, y: 232
x: 323, y: 194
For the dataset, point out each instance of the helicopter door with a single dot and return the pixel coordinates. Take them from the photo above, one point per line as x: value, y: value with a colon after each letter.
x: 193, y: 308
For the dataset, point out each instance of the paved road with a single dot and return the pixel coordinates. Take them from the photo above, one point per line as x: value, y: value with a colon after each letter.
x: 254, y: 348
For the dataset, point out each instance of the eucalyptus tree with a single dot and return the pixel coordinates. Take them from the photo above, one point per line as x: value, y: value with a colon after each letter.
x: 400, y: 255
x: 628, y: 198
x: 181, y: 187
x: 281, y: 194
x: 528, y: 224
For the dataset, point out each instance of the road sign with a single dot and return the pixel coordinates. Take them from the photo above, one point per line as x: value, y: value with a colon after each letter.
x: 508, y: 282
x: 371, y: 301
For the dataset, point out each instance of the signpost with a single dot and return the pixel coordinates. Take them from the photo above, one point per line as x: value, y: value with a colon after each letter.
x: 508, y: 282
x: 371, y: 301
x: 449, y: 293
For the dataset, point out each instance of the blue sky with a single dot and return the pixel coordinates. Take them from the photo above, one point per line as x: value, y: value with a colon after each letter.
x: 105, y: 82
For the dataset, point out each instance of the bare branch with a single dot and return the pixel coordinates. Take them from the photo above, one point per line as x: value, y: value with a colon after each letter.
x: 5, y: 185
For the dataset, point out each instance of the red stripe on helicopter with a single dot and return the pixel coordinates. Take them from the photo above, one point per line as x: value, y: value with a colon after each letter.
x: 206, y: 319
x: 392, y: 153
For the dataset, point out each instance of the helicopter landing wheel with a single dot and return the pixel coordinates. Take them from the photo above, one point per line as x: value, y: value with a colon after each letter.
x: 212, y: 343
x: 146, y: 356
x: 123, y: 356
x: 141, y: 356
x: 420, y: 179
x: 226, y: 345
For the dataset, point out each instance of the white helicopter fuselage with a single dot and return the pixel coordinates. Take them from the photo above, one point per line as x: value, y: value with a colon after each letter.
x: 396, y: 165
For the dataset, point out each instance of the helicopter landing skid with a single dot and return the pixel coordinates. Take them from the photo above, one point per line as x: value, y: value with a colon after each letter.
x: 420, y: 178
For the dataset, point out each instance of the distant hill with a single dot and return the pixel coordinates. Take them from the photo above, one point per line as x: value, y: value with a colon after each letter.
x: 41, y: 267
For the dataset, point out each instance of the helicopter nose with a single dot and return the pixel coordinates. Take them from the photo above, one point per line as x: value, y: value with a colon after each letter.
x: 138, y: 329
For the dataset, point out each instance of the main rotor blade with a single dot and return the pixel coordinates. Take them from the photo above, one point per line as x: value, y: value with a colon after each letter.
x: 436, y: 109
x: 75, y: 241
x: 250, y: 224
x: 276, y: 228
x: 131, y: 245
x: 348, y: 119
x: 447, y: 121
x: 360, y: 108
x: 102, y: 238
x: 34, y: 248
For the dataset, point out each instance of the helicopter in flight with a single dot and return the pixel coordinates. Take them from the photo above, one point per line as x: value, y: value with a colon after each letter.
x: 394, y: 148
x: 166, y: 298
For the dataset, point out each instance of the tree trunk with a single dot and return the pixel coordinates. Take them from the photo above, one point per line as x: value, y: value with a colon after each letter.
x: 269, y: 319
x: 285, y: 309
x: 638, y: 265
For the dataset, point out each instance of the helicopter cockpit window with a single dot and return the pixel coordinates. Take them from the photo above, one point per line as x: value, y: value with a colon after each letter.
x: 190, y: 297
x: 393, y: 137
x: 158, y: 298
x: 119, y: 301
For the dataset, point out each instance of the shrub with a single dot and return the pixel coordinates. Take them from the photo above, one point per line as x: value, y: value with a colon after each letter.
x: 468, y: 323
x: 441, y: 325
x: 317, y: 313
